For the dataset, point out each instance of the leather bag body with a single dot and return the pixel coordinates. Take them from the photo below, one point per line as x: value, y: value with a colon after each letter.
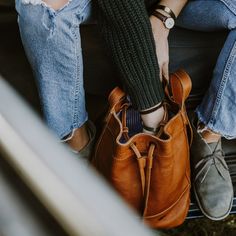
x: 152, y: 173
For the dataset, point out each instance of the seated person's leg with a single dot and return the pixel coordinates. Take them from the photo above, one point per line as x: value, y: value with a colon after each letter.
x: 213, y: 186
x: 51, y: 40
x: 56, y: 5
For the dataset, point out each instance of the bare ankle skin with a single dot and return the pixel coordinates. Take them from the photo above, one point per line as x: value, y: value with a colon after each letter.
x: 208, y: 135
x: 80, y: 139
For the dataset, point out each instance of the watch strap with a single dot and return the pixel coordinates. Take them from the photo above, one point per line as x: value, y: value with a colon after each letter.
x: 159, y: 16
x: 167, y: 10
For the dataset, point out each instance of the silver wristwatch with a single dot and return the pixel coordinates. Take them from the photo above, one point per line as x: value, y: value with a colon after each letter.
x: 168, y: 21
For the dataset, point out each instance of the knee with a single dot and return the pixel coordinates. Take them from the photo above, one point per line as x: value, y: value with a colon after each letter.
x: 56, y: 5
x: 227, y: 18
x: 232, y: 22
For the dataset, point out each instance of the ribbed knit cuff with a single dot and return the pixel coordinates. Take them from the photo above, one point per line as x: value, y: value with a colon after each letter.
x: 127, y: 31
x: 146, y: 96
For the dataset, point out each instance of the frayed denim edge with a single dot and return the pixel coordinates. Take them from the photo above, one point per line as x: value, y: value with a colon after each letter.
x: 211, y: 127
x: 70, y: 132
x: 44, y: 4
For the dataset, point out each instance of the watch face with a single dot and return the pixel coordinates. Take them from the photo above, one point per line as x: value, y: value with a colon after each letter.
x: 169, y: 23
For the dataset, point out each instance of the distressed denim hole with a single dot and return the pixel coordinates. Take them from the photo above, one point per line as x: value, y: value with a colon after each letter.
x: 55, y: 5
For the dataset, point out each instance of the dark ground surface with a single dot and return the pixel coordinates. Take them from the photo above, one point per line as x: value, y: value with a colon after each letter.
x: 15, y: 68
x: 13, y: 64
x: 205, y: 227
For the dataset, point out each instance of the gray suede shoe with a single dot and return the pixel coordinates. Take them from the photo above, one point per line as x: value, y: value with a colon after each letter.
x: 86, y: 152
x: 212, y: 183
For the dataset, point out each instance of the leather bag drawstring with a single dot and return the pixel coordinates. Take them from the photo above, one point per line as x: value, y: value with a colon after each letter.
x: 145, y: 164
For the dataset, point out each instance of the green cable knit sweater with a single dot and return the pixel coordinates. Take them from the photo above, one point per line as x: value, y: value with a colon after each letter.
x: 126, y: 29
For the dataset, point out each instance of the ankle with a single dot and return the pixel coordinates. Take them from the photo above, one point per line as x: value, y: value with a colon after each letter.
x: 208, y: 135
x: 80, y: 139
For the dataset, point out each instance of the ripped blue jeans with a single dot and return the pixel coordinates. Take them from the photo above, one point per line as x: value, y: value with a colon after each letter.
x: 51, y: 39
x: 218, y: 107
x: 52, y: 42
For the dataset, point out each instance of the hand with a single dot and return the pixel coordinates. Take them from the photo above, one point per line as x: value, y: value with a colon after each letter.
x: 160, y: 33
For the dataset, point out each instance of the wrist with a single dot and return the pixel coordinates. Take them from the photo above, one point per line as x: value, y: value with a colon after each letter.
x: 166, y: 11
x: 157, y: 24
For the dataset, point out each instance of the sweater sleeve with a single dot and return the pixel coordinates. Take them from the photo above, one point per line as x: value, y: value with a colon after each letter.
x: 127, y: 32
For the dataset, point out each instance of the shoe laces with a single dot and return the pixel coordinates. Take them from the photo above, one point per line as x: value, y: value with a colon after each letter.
x: 216, y: 157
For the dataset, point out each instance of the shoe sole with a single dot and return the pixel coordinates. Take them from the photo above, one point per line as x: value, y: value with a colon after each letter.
x: 211, y: 217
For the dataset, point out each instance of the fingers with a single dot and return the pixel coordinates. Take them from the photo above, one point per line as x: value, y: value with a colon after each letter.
x: 165, y: 63
x: 165, y: 70
x: 160, y: 74
x: 162, y: 51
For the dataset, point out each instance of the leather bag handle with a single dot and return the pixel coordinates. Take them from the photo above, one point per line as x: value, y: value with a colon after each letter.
x: 181, y: 87
x: 115, y: 96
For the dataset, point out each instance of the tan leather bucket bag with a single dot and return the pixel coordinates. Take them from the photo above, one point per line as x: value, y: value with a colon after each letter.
x: 152, y: 173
